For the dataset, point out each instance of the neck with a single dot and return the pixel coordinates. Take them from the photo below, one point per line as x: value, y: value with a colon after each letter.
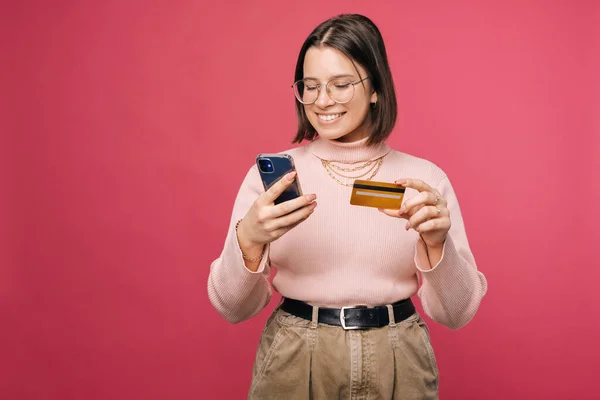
x: 347, y: 152
x: 355, y: 136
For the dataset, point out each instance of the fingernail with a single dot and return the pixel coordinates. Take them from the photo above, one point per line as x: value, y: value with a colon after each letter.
x: 290, y: 176
x: 311, y: 197
x: 401, y: 181
x: 402, y: 210
x: 407, y: 226
x: 313, y: 205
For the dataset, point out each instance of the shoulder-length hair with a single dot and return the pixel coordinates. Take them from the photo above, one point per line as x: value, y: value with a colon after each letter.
x: 357, y: 37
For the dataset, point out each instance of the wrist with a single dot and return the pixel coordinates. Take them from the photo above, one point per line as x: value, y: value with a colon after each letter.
x: 438, y: 245
x: 251, y: 251
x: 243, y: 237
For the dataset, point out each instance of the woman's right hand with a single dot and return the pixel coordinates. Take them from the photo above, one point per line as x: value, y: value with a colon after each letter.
x: 266, y: 222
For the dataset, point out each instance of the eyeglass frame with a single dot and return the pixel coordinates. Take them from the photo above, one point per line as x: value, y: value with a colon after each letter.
x: 320, y: 85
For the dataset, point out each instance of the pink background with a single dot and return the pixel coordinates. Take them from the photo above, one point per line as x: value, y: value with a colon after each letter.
x: 127, y: 127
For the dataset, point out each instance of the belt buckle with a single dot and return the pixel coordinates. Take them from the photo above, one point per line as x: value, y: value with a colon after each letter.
x: 343, y: 317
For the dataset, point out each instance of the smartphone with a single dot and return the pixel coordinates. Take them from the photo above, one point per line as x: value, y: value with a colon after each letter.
x: 273, y: 167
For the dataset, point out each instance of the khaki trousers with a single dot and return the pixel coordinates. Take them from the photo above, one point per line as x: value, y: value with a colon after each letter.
x: 299, y: 359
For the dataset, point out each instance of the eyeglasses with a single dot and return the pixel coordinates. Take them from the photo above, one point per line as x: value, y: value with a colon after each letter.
x: 340, y: 90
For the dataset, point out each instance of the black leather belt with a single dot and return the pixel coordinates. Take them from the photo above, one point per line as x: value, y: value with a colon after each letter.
x: 354, y: 317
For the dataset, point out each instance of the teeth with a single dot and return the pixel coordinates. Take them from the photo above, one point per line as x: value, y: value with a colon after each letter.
x: 329, y: 117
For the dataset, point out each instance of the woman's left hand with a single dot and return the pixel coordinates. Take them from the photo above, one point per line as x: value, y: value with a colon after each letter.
x: 427, y: 213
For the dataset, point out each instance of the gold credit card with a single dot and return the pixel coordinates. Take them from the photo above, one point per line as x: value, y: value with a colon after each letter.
x: 377, y: 194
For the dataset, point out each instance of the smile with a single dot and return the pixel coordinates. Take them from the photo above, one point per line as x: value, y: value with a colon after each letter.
x: 329, y: 117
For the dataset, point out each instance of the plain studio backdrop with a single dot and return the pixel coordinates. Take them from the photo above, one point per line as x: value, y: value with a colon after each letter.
x: 128, y: 126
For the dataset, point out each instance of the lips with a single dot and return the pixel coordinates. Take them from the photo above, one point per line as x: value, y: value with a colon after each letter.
x: 329, y: 117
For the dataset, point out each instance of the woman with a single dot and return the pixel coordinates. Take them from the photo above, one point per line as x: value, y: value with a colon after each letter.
x: 346, y: 327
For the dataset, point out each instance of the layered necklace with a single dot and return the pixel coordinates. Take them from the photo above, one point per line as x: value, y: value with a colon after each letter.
x: 345, y: 176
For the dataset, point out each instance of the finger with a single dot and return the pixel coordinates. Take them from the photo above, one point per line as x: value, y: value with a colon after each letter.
x: 439, y: 200
x: 287, y: 221
x: 274, y: 191
x: 403, y: 215
x: 423, y: 198
x: 425, y: 214
x: 434, y: 224
x: 416, y: 184
x: 391, y: 213
x: 292, y: 205
x: 408, y: 214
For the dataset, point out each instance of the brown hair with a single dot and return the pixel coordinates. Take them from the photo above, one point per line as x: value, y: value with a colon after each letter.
x: 357, y: 37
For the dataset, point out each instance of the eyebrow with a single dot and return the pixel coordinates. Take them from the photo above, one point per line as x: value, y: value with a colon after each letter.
x: 332, y: 77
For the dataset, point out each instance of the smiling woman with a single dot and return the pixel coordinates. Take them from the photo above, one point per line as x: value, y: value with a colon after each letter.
x: 340, y: 51
x: 338, y: 112
x: 346, y: 326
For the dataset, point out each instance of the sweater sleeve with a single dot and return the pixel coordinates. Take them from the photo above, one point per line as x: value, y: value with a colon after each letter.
x: 453, y: 288
x: 234, y: 291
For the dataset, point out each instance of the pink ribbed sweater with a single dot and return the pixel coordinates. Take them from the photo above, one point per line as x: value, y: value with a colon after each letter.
x: 347, y: 255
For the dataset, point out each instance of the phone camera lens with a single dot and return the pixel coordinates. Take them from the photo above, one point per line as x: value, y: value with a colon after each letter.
x: 266, y: 165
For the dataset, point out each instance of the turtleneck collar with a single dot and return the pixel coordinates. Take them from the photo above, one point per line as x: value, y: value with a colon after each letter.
x: 347, y: 153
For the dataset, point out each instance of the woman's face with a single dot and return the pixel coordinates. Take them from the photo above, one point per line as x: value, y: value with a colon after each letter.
x: 346, y: 122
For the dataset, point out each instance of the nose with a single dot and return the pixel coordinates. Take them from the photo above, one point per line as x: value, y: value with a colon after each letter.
x: 323, y: 99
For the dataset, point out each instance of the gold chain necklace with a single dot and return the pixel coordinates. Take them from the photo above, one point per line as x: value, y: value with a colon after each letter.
x: 364, y: 165
x: 369, y: 167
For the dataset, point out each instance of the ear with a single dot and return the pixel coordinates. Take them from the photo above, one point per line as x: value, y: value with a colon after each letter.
x: 374, y: 98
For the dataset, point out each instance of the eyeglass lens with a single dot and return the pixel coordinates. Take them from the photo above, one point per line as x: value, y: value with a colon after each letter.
x: 340, y: 90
